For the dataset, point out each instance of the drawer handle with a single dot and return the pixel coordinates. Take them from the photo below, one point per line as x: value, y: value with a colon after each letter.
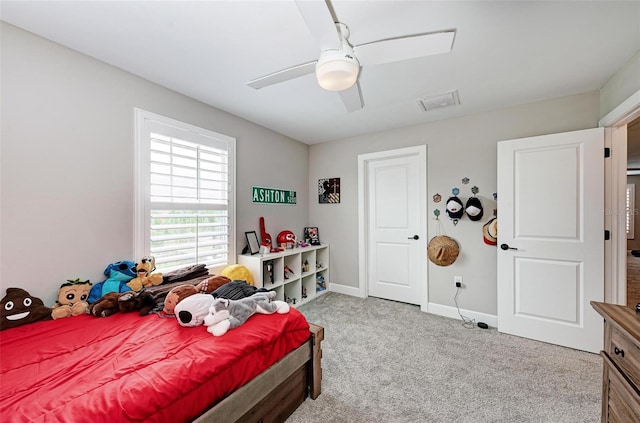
x: 618, y: 351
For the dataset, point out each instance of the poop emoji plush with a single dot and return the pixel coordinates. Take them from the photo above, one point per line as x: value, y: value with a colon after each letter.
x: 19, y: 307
x: 181, y: 292
x: 72, y: 299
x: 227, y: 314
x: 144, y: 278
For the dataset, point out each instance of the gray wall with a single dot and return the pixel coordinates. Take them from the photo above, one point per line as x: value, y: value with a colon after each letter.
x: 66, y: 174
x: 621, y: 86
x: 457, y: 148
x: 66, y: 177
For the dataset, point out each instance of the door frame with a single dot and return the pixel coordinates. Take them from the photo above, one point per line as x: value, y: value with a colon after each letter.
x: 363, y: 235
x: 615, y: 180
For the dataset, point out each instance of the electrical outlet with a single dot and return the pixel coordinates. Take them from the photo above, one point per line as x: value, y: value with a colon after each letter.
x: 458, y: 281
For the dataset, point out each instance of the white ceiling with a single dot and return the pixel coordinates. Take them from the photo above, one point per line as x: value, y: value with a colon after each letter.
x: 504, y: 53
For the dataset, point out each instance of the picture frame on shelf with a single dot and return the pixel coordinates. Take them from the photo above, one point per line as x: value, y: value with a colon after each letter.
x: 311, y: 235
x: 252, y: 242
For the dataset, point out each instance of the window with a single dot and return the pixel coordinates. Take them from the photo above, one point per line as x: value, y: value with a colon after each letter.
x: 631, y: 207
x: 184, y: 190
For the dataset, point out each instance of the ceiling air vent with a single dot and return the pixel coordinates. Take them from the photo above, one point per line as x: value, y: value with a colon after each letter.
x: 439, y: 101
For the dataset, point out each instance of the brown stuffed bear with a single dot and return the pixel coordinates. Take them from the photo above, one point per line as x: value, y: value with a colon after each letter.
x: 113, y: 302
x: 72, y: 299
x: 144, y: 278
x: 19, y: 307
x: 181, y: 292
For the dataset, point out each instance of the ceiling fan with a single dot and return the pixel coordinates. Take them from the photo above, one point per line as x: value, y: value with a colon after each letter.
x: 338, y: 67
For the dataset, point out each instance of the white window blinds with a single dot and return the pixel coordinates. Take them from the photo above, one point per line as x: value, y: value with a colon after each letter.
x: 186, y: 175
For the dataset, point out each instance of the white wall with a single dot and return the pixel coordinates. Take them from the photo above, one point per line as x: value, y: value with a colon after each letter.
x: 457, y: 148
x: 66, y: 173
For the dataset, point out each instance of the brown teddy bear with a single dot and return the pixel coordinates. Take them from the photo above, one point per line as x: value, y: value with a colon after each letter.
x: 181, y: 292
x: 19, y: 307
x: 144, y: 278
x: 113, y: 302
x: 72, y: 299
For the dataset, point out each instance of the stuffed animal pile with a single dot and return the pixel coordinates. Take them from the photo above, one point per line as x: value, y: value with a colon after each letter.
x: 129, y: 286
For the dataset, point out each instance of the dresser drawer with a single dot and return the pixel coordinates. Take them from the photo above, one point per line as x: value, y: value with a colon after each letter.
x: 621, y: 402
x: 626, y: 355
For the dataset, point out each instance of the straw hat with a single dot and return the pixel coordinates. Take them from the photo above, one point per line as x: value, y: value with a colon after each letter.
x: 490, y: 232
x: 442, y: 250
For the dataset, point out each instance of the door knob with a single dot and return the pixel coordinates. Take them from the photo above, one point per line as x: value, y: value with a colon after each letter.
x: 506, y: 247
x: 416, y: 237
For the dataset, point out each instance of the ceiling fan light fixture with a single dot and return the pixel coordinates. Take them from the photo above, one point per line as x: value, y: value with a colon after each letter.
x: 337, y: 70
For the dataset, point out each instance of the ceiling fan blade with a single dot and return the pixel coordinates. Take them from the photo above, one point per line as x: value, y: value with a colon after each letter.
x: 283, y: 75
x: 321, y: 23
x: 352, y: 98
x: 403, y: 48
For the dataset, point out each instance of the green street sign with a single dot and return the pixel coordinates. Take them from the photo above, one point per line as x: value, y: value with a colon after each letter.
x: 262, y: 195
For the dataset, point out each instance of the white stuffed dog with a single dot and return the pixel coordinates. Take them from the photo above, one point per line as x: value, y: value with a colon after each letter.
x: 228, y: 314
x: 192, y: 310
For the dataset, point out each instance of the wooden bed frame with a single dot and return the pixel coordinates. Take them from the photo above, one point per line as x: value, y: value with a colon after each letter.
x: 278, y: 391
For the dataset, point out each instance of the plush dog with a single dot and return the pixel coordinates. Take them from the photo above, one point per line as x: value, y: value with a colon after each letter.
x: 72, y: 299
x: 144, y: 278
x: 19, y: 307
x: 113, y: 302
x: 181, y: 292
x: 192, y: 310
x: 227, y: 314
x: 118, y: 274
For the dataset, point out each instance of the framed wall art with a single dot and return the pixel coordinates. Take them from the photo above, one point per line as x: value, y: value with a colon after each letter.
x: 329, y: 191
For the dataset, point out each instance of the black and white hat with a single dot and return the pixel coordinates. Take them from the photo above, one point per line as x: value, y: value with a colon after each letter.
x: 474, y: 208
x: 455, y: 210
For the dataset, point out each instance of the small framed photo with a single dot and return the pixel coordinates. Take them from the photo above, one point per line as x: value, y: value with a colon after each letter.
x: 252, y: 242
x: 311, y: 235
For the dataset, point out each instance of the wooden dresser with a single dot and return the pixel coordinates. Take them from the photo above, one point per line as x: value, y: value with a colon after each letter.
x: 621, y: 367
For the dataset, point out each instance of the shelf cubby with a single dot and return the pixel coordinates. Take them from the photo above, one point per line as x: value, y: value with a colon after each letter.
x: 293, y: 273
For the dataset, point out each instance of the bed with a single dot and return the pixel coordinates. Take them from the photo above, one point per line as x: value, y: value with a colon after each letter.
x: 127, y: 368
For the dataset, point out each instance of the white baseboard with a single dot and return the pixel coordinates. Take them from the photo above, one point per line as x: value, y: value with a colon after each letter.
x: 449, y: 311
x: 344, y: 289
x: 438, y: 309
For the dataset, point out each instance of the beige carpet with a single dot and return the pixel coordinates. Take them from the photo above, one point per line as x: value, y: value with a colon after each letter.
x: 385, y: 361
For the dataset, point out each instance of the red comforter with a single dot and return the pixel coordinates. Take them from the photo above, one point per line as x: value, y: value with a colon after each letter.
x: 130, y: 368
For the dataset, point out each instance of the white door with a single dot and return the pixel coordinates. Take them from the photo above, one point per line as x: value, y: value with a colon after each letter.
x: 393, y: 200
x: 551, y: 218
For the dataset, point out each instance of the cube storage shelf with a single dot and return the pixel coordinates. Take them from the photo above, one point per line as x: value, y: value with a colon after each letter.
x: 297, y: 275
